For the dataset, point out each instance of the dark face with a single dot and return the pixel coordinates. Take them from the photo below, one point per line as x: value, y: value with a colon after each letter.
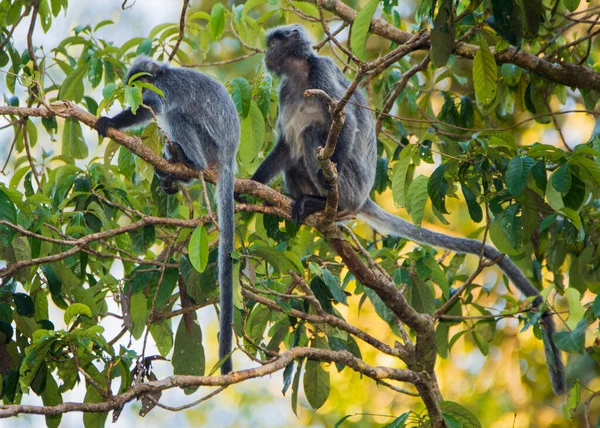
x: 282, y: 46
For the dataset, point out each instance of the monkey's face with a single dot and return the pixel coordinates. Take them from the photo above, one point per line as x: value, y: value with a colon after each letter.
x: 285, y: 44
x: 274, y: 58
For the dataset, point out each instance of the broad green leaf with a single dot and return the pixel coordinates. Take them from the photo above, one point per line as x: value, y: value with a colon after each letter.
x: 500, y: 239
x: 72, y: 87
x: 45, y: 15
x: 133, y: 97
x: 217, y: 21
x: 360, y: 29
x: 571, y: 341
x: 485, y: 74
x: 52, y: 397
x: 242, y: 96
x: 517, y: 174
x: 442, y: 35
x: 554, y: 197
x: 76, y: 309
x: 420, y: 296
x: 8, y: 211
x: 460, y: 413
x: 252, y: 135
x: 399, y: 175
x: 437, y: 188
x: 475, y: 210
x: 561, y: 178
x: 188, y: 352
x: 73, y: 143
x: 418, y: 195
x: 576, y: 309
x: 198, y: 249
x: 316, y: 384
x: 399, y: 422
x: 572, y: 5
x: 163, y: 337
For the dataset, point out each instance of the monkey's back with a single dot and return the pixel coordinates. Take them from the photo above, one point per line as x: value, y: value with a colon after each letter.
x: 202, y: 102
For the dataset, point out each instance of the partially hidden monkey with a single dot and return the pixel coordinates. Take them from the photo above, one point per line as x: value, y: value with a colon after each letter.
x: 199, y: 117
x: 303, y: 126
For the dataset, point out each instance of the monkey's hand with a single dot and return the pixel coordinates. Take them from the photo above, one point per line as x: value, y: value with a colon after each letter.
x: 102, y: 125
x: 323, y: 181
x: 306, y: 205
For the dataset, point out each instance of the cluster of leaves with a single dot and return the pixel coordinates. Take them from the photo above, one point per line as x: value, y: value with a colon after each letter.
x: 543, y: 203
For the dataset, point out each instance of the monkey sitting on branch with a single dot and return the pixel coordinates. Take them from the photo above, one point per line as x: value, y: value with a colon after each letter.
x: 202, y: 125
x: 303, y: 126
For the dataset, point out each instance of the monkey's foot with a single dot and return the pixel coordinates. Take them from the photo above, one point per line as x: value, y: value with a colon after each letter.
x: 169, y: 186
x: 102, y: 125
x: 306, y: 205
x: 177, y: 155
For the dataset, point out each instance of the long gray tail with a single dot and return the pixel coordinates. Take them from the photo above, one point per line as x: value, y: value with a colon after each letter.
x: 389, y: 224
x: 226, y: 237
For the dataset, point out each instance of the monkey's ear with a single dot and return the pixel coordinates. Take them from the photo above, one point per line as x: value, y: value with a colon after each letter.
x: 154, y: 67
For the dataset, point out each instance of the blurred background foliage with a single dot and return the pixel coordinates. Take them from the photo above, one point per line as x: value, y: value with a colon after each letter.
x: 543, y: 197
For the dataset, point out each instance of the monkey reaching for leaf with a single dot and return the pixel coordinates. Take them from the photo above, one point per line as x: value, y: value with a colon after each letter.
x: 303, y: 126
x: 200, y: 119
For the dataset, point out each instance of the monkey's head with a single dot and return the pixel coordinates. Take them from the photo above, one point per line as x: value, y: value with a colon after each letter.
x: 144, y: 64
x: 286, y: 43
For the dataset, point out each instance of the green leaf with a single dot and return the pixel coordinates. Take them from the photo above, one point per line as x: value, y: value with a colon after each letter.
x: 24, y: 304
x: 485, y: 74
x: 296, y: 385
x: 399, y: 175
x: 198, y: 249
x: 360, y: 29
x: 45, y: 15
x: 437, y: 187
x: 572, y: 5
x: 475, y: 210
x: 52, y: 397
x: 561, y: 178
x: 517, y: 174
x: 188, y: 353
x: 442, y: 35
x: 418, y: 195
x: 252, y: 135
x: 35, y: 355
x: 217, y: 21
x: 241, y: 95
x: 133, y: 97
x: 460, y: 413
x: 596, y: 306
x: 316, y: 384
x: 94, y: 420
x: 399, y: 422
x: 72, y: 87
x: 571, y: 341
x: 576, y: 309
x: 500, y: 239
x: 554, y: 197
x: 8, y: 211
x: 420, y: 296
x: 73, y: 143
x: 76, y: 309
x: 163, y: 337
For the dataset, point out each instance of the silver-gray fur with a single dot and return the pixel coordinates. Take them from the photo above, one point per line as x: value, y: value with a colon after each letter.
x: 303, y: 125
x: 199, y: 117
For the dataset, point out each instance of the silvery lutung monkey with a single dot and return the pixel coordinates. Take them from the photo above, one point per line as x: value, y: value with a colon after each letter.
x: 303, y: 126
x: 199, y: 117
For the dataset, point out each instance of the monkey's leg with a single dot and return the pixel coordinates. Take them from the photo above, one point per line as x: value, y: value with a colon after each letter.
x: 306, y: 205
x: 168, y: 181
x: 300, y: 186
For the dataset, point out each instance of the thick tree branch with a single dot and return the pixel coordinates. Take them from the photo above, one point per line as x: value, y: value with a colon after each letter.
x: 137, y: 391
x: 566, y: 74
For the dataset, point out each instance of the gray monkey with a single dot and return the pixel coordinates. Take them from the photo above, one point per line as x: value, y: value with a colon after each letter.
x: 303, y: 125
x: 199, y: 117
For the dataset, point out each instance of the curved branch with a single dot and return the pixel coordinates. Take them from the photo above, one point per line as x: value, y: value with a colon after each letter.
x: 566, y: 74
x: 118, y: 402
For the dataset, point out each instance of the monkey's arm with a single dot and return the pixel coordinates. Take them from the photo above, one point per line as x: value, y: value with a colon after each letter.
x: 274, y: 164
x: 123, y: 120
